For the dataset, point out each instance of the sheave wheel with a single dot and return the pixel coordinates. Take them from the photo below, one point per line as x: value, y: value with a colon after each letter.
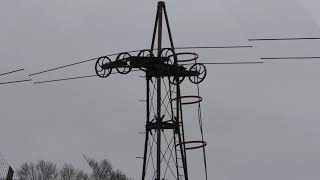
x: 102, y: 72
x: 123, y: 59
x: 202, y: 73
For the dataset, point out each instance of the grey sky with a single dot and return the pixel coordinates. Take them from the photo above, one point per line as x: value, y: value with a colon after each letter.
x: 261, y: 121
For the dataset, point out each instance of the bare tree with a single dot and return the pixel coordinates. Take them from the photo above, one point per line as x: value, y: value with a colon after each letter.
x: 103, y: 170
x: 118, y: 175
x: 27, y: 171
x: 43, y: 170
x: 46, y: 170
x: 67, y: 172
x: 100, y: 170
x: 80, y: 175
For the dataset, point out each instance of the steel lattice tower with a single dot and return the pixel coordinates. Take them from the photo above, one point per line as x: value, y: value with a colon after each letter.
x: 165, y: 147
x: 171, y: 121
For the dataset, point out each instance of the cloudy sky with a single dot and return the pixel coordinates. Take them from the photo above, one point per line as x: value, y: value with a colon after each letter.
x: 261, y: 121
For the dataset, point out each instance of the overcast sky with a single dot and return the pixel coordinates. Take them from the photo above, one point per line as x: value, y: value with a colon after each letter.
x: 261, y: 121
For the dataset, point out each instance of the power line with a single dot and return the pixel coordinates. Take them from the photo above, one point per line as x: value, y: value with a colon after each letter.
x: 60, y: 67
x: 284, y: 58
x: 76, y: 63
x: 284, y: 39
x: 71, y: 78
x: 89, y: 76
x: 64, y: 79
x: 258, y: 62
x: 92, y: 59
x: 13, y: 82
x: 213, y: 47
x: 11, y: 72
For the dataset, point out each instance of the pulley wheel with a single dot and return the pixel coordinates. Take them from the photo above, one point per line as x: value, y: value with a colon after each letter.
x: 167, y: 52
x: 123, y: 63
x: 145, y: 53
x: 103, y: 72
x: 202, y: 73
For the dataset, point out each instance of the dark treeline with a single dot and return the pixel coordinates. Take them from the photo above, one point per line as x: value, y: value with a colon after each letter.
x: 46, y: 170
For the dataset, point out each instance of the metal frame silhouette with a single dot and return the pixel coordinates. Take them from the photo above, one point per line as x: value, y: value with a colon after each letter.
x: 164, y: 74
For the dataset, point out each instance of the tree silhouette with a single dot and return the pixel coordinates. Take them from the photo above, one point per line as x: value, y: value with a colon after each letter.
x: 46, y: 170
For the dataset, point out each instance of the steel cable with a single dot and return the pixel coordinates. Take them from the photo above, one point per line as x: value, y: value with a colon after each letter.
x: 284, y: 39
x: 11, y: 72
x: 92, y: 59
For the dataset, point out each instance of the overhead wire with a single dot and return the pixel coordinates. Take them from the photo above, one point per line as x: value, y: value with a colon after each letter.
x: 72, y: 78
x: 10, y: 72
x: 284, y: 39
x: 258, y: 62
x: 95, y: 58
x: 284, y: 58
x: 13, y: 82
x: 76, y: 63
x: 64, y: 79
x: 213, y: 47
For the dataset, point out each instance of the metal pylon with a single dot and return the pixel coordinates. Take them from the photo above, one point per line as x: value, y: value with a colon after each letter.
x: 164, y: 150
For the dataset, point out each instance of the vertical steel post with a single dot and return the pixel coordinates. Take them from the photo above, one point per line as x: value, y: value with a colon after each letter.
x: 148, y: 101
x: 159, y: 119
x: 157, y: 31
x: 147, y: 131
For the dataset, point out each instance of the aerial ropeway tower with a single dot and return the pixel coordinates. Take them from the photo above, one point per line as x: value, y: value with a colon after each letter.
x: 165, y: 147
